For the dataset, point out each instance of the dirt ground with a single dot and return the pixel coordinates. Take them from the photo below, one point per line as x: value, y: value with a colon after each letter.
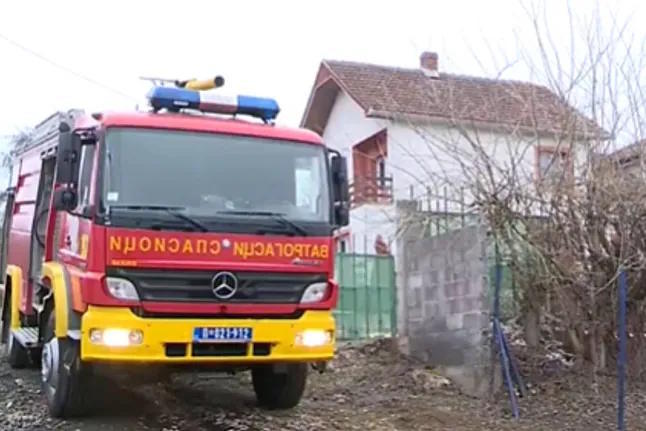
x: 368, y: 388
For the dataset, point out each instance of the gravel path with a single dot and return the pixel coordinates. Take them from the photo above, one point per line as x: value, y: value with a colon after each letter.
x: 368, y: 388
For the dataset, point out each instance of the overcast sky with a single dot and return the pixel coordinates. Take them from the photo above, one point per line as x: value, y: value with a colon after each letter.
x: 261, y: 48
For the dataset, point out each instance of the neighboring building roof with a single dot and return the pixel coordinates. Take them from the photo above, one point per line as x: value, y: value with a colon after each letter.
x: 391, y: 92
x: 627, y: 156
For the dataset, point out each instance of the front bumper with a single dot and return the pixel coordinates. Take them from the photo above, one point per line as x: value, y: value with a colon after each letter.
x: 159, y: 333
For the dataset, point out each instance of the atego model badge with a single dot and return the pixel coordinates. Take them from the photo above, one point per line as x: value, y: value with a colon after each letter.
x: 224, y: 285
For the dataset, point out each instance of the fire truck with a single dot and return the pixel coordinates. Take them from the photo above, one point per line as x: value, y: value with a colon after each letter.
x: 196, y: 233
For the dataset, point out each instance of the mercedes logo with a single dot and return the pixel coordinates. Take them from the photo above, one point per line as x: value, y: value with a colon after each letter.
x: 224, y: 285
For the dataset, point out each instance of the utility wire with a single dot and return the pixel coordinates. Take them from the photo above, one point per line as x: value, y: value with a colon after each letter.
x: 66, y: 69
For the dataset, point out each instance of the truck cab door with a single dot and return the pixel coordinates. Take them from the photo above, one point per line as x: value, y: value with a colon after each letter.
x: 41, y: 222
x: 71, y: 242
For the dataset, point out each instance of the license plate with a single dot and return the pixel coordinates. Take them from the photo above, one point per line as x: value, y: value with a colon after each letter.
x: 222, y: 335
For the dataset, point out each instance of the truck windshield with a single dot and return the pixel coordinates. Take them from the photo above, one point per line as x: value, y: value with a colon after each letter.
x: 209, y: 174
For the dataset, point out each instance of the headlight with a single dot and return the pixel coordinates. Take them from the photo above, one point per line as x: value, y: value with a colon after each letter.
x: 116, y: 337
x: 121, y: 288
x: 315, y: 292
x: 314, y: 338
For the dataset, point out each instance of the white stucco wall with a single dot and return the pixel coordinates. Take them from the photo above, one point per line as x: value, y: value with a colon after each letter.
x: 425, y: 156
x: 438, y: 157
x: 368, y: 221
x: 347, y: 126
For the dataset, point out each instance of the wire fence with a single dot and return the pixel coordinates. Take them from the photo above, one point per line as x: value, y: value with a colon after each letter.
x: 441, y: 211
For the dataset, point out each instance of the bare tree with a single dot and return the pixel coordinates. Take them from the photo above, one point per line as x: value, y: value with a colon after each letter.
x: 570, y: 221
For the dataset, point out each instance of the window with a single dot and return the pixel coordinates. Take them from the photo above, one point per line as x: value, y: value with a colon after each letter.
x: 372, y: 183
x: 308, y: 177
x: 381, y: 171
x: 205, y: 173
x: 553, y: 165
x: 85, y: 174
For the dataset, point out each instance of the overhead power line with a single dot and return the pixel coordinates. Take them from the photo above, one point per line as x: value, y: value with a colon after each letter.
x: 64, y: 68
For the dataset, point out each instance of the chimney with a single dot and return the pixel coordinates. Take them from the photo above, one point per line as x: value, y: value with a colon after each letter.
x: 428, y: 63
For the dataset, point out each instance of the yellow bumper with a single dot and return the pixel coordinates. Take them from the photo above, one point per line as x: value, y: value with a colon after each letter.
x: 276, y: 334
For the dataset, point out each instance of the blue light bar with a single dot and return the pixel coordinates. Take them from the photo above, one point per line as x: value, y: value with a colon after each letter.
x: 172, y: 98
x: 258, y: 107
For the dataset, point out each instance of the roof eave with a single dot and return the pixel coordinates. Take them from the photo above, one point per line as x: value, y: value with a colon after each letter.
x: 334, y: 77
x: 523, y: 130
x: 308, y: 106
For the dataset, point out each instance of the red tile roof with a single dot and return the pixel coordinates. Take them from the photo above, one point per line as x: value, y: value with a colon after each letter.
x: 626, y: 155
x: 390, y: 92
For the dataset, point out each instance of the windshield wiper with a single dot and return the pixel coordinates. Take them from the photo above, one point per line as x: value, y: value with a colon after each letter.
x: 172, y: 210
x: 276, y: 216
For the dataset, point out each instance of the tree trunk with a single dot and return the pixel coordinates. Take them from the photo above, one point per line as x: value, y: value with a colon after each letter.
x: 576, y: 344
x: 598, y: 351
x: 532, y: 327
x: 603, y: 353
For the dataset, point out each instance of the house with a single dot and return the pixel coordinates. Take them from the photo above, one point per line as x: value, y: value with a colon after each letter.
x: 406, y: 133
x: 627, y: 160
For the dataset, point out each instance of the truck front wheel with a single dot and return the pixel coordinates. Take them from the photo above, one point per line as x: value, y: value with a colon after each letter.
x: 279, y: 387
x: 64, y: 380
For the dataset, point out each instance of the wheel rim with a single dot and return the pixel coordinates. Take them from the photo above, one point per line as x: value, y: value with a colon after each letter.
x: 49, y: 365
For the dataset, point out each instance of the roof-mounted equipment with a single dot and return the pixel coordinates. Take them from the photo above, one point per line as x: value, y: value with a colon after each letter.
x: 193, y: 94
x: 175, y: 99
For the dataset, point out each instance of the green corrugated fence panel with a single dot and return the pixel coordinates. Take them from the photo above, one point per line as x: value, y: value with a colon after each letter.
x: 367, y: 296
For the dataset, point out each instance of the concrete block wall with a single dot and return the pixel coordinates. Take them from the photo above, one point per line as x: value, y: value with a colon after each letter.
x: 443, y: 286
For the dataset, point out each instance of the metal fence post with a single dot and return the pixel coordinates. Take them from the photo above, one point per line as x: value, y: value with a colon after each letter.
x: 621, y: 358
x: 379, y: 288
x: 394, y: 298
x: 342, y: 297
x: 510, y: 373
x: 354, y: 296
x: 497, y: 280
x: 367, y: 286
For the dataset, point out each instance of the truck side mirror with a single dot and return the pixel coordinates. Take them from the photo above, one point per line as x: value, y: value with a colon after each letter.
x: 67, y: 167
x: 340, y: 190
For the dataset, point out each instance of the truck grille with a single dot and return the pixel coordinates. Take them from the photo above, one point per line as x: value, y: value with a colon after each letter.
x: 196, y: 286
x: 181, y: 350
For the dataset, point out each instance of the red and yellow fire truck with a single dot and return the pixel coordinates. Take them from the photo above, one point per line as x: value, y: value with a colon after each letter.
x: 179, y: 236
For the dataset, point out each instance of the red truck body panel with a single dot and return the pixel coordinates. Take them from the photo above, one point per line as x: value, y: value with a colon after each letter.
x: 25, y: 180
x: 201, y: 124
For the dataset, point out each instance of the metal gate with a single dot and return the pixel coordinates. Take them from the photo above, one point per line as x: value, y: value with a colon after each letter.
x: 367, y: 301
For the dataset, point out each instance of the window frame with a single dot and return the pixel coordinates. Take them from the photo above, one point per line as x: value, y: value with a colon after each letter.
x: 381, y: 171
x: 564, y: 154
x: 101, y: 215
x: 85, y: 203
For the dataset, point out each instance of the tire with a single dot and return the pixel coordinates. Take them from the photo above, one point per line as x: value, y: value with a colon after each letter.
x: 64, y: 379
x: 17, y: 355
x: 279, y: 390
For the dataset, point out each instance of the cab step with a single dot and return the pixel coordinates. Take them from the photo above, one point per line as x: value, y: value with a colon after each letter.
x: 27, y: 336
